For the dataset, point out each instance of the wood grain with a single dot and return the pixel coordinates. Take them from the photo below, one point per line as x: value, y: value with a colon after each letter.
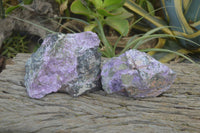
x: 177, y: 110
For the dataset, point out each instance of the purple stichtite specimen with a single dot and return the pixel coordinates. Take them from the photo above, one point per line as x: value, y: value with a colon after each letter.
x: 69, y: 63
x: 136, y: 74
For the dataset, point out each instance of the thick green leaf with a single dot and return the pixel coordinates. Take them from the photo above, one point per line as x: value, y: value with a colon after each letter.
x: 120, y: 25
x: 196, y: 25
x: 182, y: 27
x: 106, y: 13
x: 170, y: 51
x: 150, y: 8
x: 11, y: 8
x: 111, y: 2
x: 186, y: 4
x: 97, y: 3
x: 176, y: 16
x: 78, y: 8
x: 110, y: 5
x: 122, y: 13
x: 193, y: 12
x: 137, y: 9
x: 171, y: 55
x: 90, y: 27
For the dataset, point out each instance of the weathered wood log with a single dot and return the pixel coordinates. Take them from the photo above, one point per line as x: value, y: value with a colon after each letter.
x: 177, y: 110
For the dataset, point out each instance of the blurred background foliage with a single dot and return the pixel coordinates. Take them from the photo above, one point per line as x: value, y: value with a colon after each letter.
x: 175, y: 24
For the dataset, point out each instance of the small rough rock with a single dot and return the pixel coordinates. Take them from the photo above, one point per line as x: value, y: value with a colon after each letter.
x: 64, y: 62
x: 136, y: 74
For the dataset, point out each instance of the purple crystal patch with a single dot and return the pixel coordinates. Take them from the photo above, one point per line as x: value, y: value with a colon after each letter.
x: 69, y: 63
x: 136, y: 74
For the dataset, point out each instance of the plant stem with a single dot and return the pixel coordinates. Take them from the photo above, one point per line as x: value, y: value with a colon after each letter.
x: 109, y: 49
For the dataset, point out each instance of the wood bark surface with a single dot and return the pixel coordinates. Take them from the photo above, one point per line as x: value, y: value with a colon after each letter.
x: 177, y: 110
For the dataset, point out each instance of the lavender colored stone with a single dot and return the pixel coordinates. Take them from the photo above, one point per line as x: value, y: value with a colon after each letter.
x: 136, y: 74
x: 68, y: 63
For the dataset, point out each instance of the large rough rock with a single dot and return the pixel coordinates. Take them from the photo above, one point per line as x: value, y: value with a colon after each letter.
x: 137, y: 75
x: 67, y: 63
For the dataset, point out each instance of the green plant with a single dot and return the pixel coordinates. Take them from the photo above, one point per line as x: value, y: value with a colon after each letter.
x: 147, y: 5
x: 13, y: 45
x: 9, y: 7
x: 138, y: 40
x: 109, y: 50
x: 134, y: 42
x: 183, y: 19
x: 108, y: 12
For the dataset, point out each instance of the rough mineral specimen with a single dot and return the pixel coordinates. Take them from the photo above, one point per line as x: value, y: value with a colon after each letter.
x: 136, y: 74
x: 69, y: 63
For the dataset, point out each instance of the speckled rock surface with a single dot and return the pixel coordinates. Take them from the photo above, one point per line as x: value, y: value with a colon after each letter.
x: 68, y: 63
x: 136, y: 74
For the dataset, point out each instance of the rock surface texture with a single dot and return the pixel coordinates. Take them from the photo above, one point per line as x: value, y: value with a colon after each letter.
x: 68, y: 63
x: 137, y: 75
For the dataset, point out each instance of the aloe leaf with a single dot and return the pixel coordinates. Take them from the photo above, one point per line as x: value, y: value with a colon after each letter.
x: 137, y: 9
x: 176, y: 16
x: 183, y: 28
x: 120, y: 25
x: 171, y: 56
x: 164, y: 9
x: 168, y: 51
x: 196, y: 25
x: 191, y: 45
x: 160, y: 44
x: 193, y: 12
x: 137, y: 42
x: 186, y: 5
x: 155, y: 30
x: 78, y: 8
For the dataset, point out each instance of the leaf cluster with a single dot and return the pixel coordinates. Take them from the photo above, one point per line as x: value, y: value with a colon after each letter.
x: 13, y: 45
x: 108, y: 12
